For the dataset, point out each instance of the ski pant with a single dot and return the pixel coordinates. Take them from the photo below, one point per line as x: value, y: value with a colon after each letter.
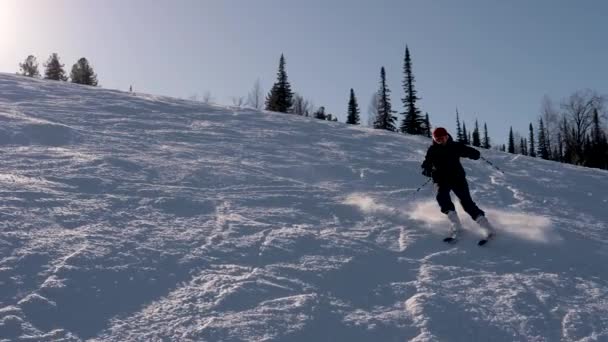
x: 461, y: 190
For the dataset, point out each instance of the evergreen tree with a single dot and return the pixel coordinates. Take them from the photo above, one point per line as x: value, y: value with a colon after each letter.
x: 353, y: 117
x: 29, y: 67
x: 486, y: 138
x: 596, y: 130
x: 548, y: 144
x: 82, y: 73
x: 465, y: 135
x: 588, y: 159
x: 532, y: 151
x: 598, y: 149
x: 320, y: 113
x: 569, y: 141
x: 458, y: 128
x: 555, y: 154
x: 511, y: 148
x: 559, y: 152
x: 543, y: 149
x: 413, y: 123
x: 331, y: 117
x: 280, y: 97
x: 476, y: 139
x: 503, y: 148
x: 54, y: 69
x: 427, y: 126
x: 385, y: 119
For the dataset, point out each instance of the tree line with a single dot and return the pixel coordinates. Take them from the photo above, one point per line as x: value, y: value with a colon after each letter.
x: 574, y: 133
x: 282, y: 98
x: 82, y: 72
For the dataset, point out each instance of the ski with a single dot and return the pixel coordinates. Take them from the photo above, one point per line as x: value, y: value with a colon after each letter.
x: 483, y: 241
x: 450, y: 239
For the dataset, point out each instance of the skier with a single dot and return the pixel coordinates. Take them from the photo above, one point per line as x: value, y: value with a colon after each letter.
x: 442, y: 163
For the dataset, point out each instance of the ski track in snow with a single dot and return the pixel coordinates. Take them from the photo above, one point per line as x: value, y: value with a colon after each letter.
x: 133, y: 217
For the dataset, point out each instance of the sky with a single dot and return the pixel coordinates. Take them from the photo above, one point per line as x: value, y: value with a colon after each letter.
x: 493, y: 60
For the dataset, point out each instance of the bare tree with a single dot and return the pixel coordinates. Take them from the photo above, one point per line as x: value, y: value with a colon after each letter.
x: 372, y: 110
x: 550, y: 116
x: 238, y: 102
x: 310, y: 108
x: 301, y: 106
x: 207, y: 98
x: 255, y: 98
x: 578, y: 111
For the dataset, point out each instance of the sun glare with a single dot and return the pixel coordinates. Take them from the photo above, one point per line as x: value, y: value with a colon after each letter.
x: 8, y: 22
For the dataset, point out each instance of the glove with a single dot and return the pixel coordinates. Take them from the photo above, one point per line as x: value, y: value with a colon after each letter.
x: 427, y: 172
x: 475, y: 155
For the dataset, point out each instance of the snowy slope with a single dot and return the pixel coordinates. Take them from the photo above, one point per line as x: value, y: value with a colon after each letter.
x: 129, y: 217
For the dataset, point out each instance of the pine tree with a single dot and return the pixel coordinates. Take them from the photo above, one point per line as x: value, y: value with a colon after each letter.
x: 476, y: 139
x: 555, y: 154
x: 413, y: 123
x: 511, y: 148
x: 597, y: 135
x: 82, y: 73
x: 588, y: 159
x: 559, y: 151
x: 543, y: 149
x: 29, y: 67
x: 568, y: 139
x: 548, y: 144
x: 331, y: 117
x: 523, y: 150
x: 486, y: 138
x: 385, y: 119
x: 458, y: 128
x: 320, y: 113
x: 465, y: 135
x: 503, y: 148
x: 280, y: 97
x: 532, y: 151
x: 427, y: 125
x: 598, y: 144
x: 54, y: 69
x: 353, y: 117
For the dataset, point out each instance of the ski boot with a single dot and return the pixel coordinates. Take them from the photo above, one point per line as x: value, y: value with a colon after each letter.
x: 455, y: 227
x: 489, y: 231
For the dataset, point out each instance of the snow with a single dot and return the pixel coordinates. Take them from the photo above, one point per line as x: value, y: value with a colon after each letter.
x: 132, y: 217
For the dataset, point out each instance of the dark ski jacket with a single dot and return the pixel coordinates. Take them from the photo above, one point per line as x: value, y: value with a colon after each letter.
x: 443, y: 161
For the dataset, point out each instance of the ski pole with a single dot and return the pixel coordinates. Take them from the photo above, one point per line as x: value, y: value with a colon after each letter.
x: 494, y: 166
x: 420, y: 187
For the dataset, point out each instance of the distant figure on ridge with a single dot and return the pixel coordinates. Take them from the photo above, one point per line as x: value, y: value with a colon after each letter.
x: 442, y: 163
